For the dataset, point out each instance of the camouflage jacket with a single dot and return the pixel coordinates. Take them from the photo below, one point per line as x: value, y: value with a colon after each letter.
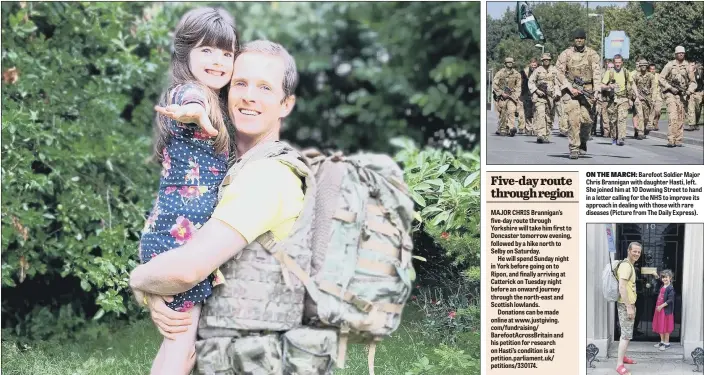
x: 544, y: 76
x: 507, y: 78
x: 646, y: 85
x: 574, y: 64
x: 677, y: 73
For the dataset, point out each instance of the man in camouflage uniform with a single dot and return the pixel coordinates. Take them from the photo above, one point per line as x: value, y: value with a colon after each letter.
x: 507, y: 91
x: 544, y: 87
x: 696, y: 101
x: 525, y: 105
x: 617, y: 83
x: 644, y: 84
x: 657, y: 104
x: 677, y: 84
x: 577, y: 65
x: 602, y: 105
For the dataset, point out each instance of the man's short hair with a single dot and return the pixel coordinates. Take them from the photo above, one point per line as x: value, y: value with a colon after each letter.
x: 634, y: 243
x: 619, y: 57
x: 533, y: 60
x: 275, y: 49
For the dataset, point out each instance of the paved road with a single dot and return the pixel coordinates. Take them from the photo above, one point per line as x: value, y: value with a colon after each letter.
x: 523, y: 149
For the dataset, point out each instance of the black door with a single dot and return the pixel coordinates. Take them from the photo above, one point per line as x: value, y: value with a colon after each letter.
x: 663, y: 246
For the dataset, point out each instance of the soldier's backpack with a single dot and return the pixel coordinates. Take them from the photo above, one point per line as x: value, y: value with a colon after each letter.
x: 361, y: 270
x: 609, y: 280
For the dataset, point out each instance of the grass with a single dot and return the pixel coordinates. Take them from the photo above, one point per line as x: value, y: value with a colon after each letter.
x: 130, y: 350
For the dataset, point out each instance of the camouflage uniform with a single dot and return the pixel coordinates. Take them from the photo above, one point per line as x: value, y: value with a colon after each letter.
x: 680, y: 74
x: 544, y: 105
x: 579, y: 109
x: 657, y: 103
x: 562, y: 121
x: 526, y: 110
x: 696, y: 100
x: 510, y: 78
x: 646, y: 88
x: 618, y: 107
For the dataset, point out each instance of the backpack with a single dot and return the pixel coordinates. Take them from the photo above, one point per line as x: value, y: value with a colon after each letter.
x: 609, y: 280
x: 361, y: 269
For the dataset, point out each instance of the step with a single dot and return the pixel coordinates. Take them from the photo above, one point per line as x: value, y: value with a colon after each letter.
x: 646, y: 351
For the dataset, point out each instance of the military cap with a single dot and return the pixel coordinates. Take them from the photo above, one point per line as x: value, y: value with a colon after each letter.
x: 546, y: 56
x: 579, y: 33
x: 642, y: 62
x: 508, y: 60
x: 679, y: 49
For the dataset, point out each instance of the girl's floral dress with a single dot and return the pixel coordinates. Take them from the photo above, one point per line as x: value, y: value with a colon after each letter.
x: 188, y: 192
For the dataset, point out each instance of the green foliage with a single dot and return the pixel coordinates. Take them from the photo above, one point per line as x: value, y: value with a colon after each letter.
x: 673, y: 24
x: 374, y: 71
x: 450, y: 361
x: 446, y: 186
x: 75, y: 142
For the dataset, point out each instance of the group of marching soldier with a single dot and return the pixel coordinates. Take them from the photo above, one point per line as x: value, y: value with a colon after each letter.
x: 577, y: 89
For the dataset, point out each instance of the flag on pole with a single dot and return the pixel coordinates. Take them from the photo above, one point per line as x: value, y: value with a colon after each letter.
x: 528, y: 27
x: 648, y: 8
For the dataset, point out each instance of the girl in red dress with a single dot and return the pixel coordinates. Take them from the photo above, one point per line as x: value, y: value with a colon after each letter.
x: 663, y: 317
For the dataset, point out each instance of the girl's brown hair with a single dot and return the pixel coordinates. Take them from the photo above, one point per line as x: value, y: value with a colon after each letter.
x: 199, y: 27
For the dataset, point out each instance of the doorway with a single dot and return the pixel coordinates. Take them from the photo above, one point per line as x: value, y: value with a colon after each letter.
x: 663, y: 248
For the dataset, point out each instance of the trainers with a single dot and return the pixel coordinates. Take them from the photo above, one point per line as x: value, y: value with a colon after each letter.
x: 665, y: 347
x: 640, y: 137
x: 621, y: 142
x: 613, y: 142
x: 659, y: 344
x: 574, y: 155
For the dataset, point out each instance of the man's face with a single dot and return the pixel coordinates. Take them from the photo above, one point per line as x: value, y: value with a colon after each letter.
x: 643, y: 68
x: 651, y: 69
x: 634, y: 253
x: 680, y: 56
x: 546, y: 63
x: 533, y: 64
x: 618, y: 63
x: 255, y: 101
x: 509, y: 65
x: 579, y: 42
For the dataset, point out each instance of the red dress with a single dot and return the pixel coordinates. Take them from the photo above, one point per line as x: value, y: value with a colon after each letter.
x: 662, y: 323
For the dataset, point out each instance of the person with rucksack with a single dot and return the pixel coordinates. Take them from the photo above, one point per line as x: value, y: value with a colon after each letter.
x: 626, y: 304
x: 617, y: 85
x: 315, y: 249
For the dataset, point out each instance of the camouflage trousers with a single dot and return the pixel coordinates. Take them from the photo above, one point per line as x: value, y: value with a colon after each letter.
x: 676, y: 106
x: 507, y: 110
x: 580, y: 116
x: 544, y: 117
x: 603, y: 110
x: 696, y: 109
x: 300, y: 351
x: 618, y: 111
x: 525, y: 114
x: 645, y: 116
x: 562, y: 121
x: 657, y: 109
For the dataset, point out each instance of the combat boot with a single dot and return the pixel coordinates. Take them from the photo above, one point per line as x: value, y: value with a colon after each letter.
x: 574, y: 155
x: 512, y: 132
x: 540, y: 140
x: 583, y: 149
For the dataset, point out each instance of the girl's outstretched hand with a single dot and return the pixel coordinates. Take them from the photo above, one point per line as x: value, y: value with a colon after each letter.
x: 189, y: 114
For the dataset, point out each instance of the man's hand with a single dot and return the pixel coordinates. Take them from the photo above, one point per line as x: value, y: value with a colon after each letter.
x: 168, y: 321
x: 504, y: 95
x: 540, y: 93
x: 574, y: 92
x: 674, y: 90
x: 631, y: 312
x: 189, y: 114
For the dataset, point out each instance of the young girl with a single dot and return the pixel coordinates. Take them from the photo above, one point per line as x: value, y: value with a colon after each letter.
x: 663, y: 317
x: 194, y: 163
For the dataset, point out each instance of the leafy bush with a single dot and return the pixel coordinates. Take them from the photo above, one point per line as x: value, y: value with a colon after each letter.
x: 446, y: 187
